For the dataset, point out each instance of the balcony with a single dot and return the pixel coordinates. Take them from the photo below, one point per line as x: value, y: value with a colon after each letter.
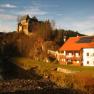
x: 73, y: 57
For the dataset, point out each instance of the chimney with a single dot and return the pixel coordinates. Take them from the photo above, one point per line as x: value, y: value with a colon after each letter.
x: 77, y: 35
x: 64, y: 38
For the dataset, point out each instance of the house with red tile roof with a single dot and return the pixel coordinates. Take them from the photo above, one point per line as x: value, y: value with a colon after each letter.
x: 78, y: 51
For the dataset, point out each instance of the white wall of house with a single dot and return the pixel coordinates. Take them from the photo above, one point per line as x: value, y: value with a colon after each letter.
x: 88, y: 56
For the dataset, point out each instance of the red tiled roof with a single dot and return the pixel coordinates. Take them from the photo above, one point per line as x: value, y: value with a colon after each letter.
x: 74, y: 43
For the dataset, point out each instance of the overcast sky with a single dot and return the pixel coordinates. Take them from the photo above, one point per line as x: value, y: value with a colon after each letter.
x: 76, y: 15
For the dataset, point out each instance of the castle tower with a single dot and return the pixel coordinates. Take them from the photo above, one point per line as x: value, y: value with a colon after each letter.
x: 23, y: 24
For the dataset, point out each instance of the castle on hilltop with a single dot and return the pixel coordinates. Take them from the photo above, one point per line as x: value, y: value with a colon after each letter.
x: 28, y: 25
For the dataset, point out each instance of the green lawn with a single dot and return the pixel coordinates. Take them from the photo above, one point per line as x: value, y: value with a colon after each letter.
x: 29, y: 63
x: 79, y: 68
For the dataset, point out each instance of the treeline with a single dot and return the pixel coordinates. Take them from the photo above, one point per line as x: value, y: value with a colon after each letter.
x: 44, y: 29
x: 60, y: 34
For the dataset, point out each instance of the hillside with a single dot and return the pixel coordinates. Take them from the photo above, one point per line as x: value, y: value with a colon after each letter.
x: 34, y: 46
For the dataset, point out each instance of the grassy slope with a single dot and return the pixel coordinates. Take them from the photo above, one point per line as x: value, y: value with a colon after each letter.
x: 27, y: 63
x: 82, y: 79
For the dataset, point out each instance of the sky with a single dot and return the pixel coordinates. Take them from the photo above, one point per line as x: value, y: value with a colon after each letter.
x: 77, y: 15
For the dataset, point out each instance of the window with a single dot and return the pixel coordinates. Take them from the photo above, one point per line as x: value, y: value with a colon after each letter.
x: 64, y: 52
x: 77, y: 61
x: 93, y: 62
x: 64, y: 60
x: 70, y: 54
x: 69, y: 60
x: 77, y: 54
x: 87, y: 62
x: 87, y: 54
x: 67, y: 53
